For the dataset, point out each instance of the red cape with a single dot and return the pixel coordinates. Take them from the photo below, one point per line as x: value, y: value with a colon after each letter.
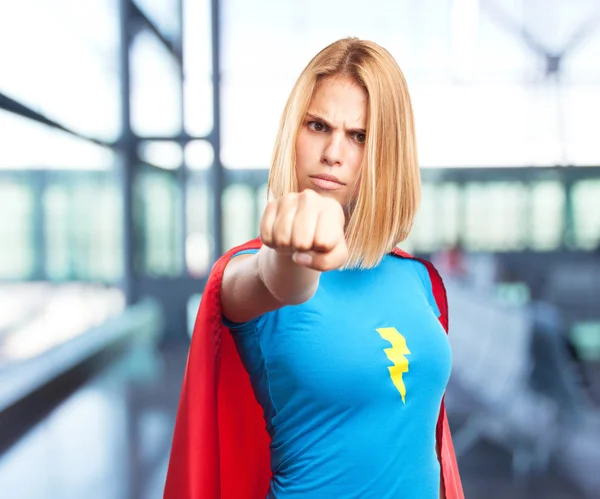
x: 220, y: 446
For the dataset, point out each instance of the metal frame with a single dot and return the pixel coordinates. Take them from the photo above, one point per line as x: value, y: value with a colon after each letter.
x: 132, y: 20
x: 19, y: 109
x: 173, y: 293
x: 129, y: 156
x: 174, y: 47
x: 217, y: 178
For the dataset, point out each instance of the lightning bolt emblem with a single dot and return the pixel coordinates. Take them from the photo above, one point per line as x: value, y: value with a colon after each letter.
x: 397, y: 355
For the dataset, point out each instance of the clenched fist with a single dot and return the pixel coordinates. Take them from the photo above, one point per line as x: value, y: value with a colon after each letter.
x: 308, y: 226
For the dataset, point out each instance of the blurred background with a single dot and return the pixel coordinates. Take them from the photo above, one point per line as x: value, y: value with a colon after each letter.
x: 135, y: 137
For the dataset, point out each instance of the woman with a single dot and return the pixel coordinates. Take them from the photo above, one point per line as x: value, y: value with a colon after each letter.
x: 342, y: 336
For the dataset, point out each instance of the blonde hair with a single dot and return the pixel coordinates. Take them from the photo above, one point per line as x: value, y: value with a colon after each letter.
x: 389, y: 190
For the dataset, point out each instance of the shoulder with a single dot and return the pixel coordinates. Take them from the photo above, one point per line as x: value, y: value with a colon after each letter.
x: 425, y: 268
x: 416, y: 270
x: 251, y: 246
x: 247, y: 248
x: 431, y: 280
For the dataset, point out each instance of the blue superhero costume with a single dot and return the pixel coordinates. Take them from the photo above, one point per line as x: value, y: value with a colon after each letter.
x: 221, y: 447
x: 351, y: 383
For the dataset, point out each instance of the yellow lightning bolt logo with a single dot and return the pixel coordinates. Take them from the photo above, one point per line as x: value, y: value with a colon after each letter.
x: 397, y: 355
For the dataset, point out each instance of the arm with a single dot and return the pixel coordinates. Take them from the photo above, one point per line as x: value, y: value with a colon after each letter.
x: 302, y: 235
x: 256, y: 284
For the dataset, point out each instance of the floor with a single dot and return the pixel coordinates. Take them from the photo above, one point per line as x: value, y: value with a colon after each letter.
x: 111, y: 438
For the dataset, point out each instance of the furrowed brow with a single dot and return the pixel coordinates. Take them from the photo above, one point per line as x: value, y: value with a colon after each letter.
x: 325, y: 122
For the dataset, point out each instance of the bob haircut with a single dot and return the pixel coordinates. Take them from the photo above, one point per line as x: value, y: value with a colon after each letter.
x: 389, y: 186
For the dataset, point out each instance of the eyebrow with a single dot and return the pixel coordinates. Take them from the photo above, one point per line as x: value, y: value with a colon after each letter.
x: 320, y: 118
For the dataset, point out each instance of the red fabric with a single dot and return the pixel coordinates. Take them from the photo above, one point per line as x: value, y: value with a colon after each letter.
x: 220, y: 446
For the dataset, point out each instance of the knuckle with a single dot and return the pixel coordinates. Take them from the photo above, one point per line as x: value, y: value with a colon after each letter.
x: 265, y: 230
x: 265, y: 234
x: 281, y: 234
x: 301, y: 242
x: 322, y: 244
x: 271, y: 207
x: 280, y: 240
x: 267, y: 215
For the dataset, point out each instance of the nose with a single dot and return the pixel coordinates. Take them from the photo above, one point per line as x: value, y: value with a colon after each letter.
x: 333, y: 152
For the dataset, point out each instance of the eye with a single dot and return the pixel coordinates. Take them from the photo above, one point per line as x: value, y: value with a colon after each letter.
x: 360, y: 137
x: 316, y: 126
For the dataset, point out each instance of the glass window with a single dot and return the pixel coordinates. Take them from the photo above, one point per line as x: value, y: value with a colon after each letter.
x: 480, y: 93
x: 581, y: 64
x: 82, y: 229
x: 586, y: 214
x: 493, y: 125
x: 158, y: 199
x: 162, y: 153
x: 155, y: 88
x: 27, y: 144
x: 17, y: 257
x: 58, y: 234
x: 261, y: 200
x: 449, y: 212
x: 197, y: 48
x: 199, y: 245
x: 239, y: 215
x: 495, y: 216
x: 71, y: 51
x: 581, y: 114
x: 437, y: 223
x: 425, y: 234
x: 199, y: 155
x: 547, y: 222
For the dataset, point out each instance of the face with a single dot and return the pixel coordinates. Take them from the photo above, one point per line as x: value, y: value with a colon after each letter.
x: 331, y: 140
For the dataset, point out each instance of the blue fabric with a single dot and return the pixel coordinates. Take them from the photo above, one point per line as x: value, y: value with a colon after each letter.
x: 343, y: 425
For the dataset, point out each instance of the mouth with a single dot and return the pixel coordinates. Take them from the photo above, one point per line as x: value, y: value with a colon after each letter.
x: 327, y: 182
